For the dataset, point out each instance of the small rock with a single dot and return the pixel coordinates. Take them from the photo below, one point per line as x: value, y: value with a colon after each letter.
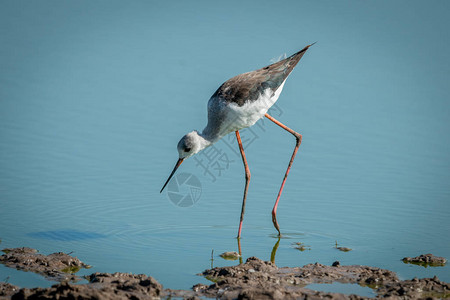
x: 302, y: 247
x: 231, y: 255
x: 336, y: 264
x: 426, y: 260
x: 344, y: 249
x: 199, y: 287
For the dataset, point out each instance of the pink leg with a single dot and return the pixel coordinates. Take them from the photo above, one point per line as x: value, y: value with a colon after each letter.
x: 298, y: 137
x: 247, y: 181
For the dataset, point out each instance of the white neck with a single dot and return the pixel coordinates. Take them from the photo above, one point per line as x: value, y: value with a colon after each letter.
x: 202, y: 141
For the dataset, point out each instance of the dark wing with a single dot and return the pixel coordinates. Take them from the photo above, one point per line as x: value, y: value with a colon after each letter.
x: 248, y: 86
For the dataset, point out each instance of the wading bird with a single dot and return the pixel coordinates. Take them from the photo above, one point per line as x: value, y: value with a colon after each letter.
x: 239, y: 103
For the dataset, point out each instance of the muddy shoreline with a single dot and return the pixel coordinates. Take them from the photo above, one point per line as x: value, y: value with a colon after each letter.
x: 254, y: 279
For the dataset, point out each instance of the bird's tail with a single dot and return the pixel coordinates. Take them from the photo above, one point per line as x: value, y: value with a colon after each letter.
x: 293, y: 60
x: 302, y: 51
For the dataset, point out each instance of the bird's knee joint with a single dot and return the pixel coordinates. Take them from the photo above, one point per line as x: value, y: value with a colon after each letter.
x: 298, y: 137
x: 248, y: 175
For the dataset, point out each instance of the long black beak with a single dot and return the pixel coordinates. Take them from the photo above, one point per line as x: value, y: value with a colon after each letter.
x: 173, y: 172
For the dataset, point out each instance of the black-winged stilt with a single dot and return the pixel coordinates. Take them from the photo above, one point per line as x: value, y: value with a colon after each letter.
x: 239, y: 103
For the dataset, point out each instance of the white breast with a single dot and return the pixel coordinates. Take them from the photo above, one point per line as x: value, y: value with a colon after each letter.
x: 239, y: 117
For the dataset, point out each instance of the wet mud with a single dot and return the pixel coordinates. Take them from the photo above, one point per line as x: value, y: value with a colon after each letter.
x: 257, y: 279
x: 56, y: 266
x: 100, y: 286
x: 7, y: 289
x: 254, y: 279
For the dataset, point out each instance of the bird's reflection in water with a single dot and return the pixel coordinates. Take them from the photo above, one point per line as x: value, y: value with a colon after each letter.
x: 274, y: 250
x: 239, y: 250
x: 272, y: 254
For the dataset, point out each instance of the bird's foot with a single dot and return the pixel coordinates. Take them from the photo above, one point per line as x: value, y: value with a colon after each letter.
x: 275, y: 223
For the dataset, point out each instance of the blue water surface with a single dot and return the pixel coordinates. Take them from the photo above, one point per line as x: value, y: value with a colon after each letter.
x: 94, y: 97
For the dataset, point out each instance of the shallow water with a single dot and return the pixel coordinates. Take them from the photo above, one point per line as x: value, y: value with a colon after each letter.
x: 346, y: 288
x: 94, y: 99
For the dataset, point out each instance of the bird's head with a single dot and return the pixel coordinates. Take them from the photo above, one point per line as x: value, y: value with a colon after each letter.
x: 189, y: 145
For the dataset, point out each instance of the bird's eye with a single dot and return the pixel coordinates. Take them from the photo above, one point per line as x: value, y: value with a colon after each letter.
x: 187, y: 149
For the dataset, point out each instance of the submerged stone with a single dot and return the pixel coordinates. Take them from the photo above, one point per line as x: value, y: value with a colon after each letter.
x: 426, y: 260
x: 231, y: 255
